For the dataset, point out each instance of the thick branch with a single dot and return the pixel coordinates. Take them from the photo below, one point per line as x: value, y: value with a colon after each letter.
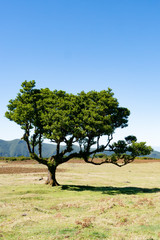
x: 38, y: 159
x: 123, y: 163
x: 116, y: 162
x: 98, y: 141
x: 69, y: 146
x: 40, y: 145
x: 95, y: 163
x: 26, y: 139
x: 58, y: 148
x: 89, y: 144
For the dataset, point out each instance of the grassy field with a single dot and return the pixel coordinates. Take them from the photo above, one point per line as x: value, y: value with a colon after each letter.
x: 94, y: 202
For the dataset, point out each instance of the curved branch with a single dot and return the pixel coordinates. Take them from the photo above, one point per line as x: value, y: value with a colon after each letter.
x: 125, y: 161
x: 96, y: 163
x: 38, y: 159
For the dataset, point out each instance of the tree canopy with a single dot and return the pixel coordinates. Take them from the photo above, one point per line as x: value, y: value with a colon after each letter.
x: 65, y: 118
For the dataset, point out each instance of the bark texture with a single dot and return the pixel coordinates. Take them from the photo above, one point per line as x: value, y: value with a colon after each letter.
x: 51, y: 179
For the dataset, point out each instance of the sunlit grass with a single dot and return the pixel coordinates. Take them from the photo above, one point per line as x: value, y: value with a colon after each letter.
x: 102, y: 202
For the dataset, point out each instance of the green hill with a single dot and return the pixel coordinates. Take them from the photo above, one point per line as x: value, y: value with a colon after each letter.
x: 18, y: 147
x: 154, y: 154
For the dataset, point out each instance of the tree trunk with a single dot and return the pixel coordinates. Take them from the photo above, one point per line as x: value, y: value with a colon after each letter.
x: 51, y: 180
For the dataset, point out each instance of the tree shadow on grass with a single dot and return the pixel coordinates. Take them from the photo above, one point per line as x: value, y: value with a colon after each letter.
x: 110, y: 190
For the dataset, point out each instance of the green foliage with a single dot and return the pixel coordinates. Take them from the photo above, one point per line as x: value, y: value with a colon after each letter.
x: 128, y: 149
x: 138, y: 149
x: 66, y: 118
x: 25, y: 110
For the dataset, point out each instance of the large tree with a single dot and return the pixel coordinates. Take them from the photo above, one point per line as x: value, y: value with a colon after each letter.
x: 66, y: 118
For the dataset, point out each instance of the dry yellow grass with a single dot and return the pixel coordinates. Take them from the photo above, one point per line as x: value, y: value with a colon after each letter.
x: 103, y: 202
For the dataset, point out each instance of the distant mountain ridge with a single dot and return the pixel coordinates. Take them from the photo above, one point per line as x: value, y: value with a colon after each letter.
x: 18, y: 147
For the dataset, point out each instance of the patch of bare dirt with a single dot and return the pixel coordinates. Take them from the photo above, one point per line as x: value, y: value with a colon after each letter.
x: 16, y: 167
x: 146, y: 160
x: 16, y: 170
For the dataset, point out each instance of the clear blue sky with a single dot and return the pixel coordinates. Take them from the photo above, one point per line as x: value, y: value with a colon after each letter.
x: 77, y: 45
